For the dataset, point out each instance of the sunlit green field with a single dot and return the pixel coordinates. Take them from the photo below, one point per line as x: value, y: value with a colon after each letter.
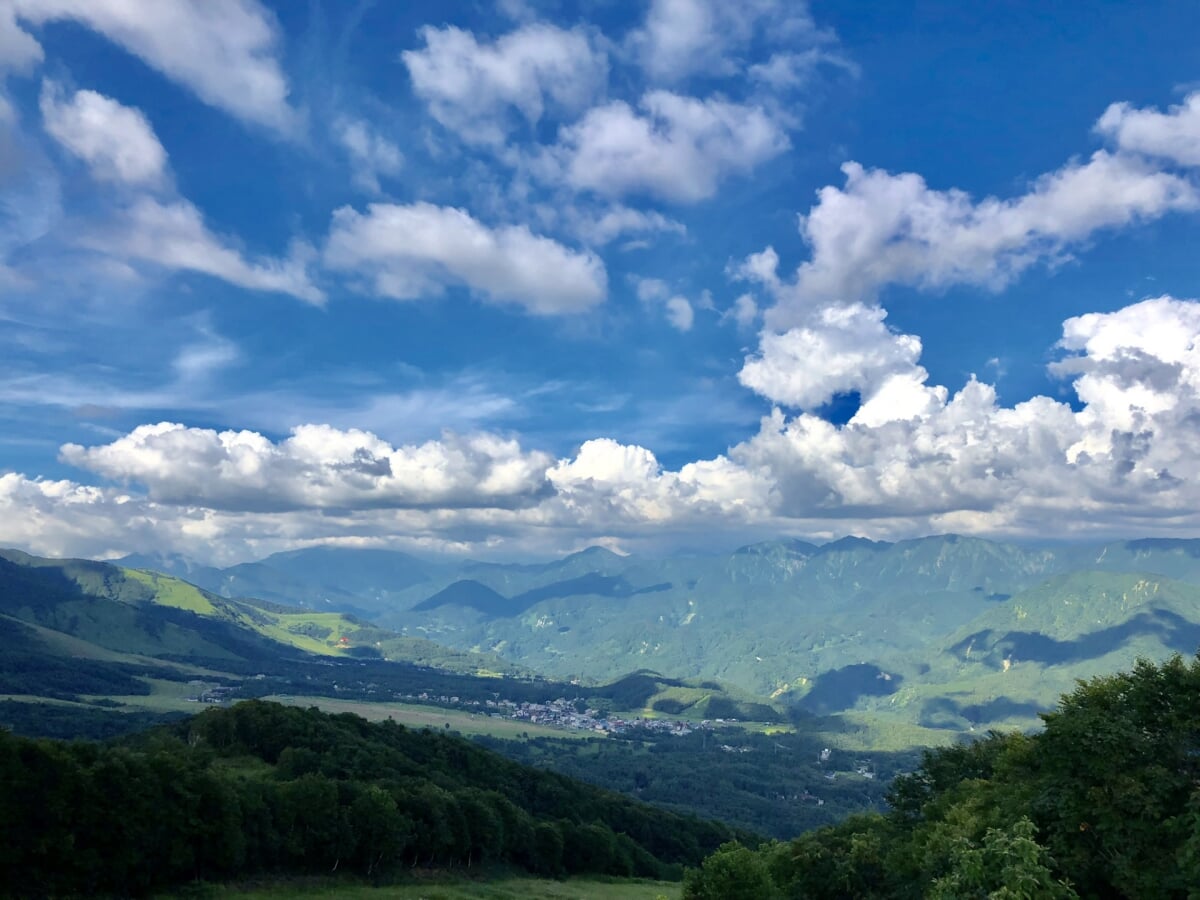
x: 417, y: 716
x: 165, y: 696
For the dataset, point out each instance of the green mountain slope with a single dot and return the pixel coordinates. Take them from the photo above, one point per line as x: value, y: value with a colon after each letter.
x: 871, y: 629
x: 131, y: 623
x: 323, y: 578
x: 1010, y: 663
x: 133, y: 611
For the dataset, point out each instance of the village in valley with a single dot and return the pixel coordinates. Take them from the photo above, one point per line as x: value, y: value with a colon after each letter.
x: 572, y: 714
x: 559, y: 713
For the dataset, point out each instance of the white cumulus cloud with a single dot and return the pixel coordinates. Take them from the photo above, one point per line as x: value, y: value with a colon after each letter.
x: 608, y: 484
x: 223, y: 50
x: 62, y: 518
x: 1173, y: 135
x: 475, y: 88
x: 885, y: 229
x: 788, y: 70
x: 317, y: 467
x: 19, y: 50
x: 678, y: 310
x: 680, y: 313
x: 151, y: 224
x: 682, y: 38
x: 844, y: 349
x: 371, y: 154
x: 743, y: 313
x: 599, y: 229
x: 173, y: 235
x: 410, y: 251
x: 1123, y: 463
x: 825, y: 333
x: 674, y: 147
x: 115, y: 141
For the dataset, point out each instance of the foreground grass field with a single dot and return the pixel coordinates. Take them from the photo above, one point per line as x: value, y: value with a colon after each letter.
x: 457, y: 889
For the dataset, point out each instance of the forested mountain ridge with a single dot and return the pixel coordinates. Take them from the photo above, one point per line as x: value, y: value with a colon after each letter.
x: 930, y: 637
x: 914, y: 632
x: 84, y: 631
x: 324, y: 578
x: 144, y: 612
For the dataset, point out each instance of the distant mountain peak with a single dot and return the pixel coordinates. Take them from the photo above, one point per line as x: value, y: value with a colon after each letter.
x: 168, y: 563
x: 336, y: 551
x: 793, y: 546
x: 595, y: 552
x: 854, y: 542
x: 471, y: 593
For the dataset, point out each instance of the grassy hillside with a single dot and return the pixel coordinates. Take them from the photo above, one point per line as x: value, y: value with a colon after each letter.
x: 330, y: 579
x: 148, y: 613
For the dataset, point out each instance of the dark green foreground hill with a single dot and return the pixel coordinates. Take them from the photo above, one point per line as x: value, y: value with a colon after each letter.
x: 261, y: 788
x: 1104, y: 802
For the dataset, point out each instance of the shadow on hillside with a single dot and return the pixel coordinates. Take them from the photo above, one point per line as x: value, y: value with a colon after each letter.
x: 491, y: 603
x: 840, y: 689
x: 592, y: 583
x: 1175, y: 632
x: 943, y: 712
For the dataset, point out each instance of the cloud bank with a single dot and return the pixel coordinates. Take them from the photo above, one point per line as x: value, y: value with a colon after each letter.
x: 1123, y: 463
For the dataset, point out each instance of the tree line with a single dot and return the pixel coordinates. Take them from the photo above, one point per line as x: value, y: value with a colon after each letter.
x: 772, y: 784
x: 264, y: 788
x: 1104, y: 802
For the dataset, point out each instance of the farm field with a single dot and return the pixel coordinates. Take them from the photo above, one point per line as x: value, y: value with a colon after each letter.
x: 418, y: 716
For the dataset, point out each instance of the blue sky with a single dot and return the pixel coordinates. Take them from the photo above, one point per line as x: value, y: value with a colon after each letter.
x: 515, y: 278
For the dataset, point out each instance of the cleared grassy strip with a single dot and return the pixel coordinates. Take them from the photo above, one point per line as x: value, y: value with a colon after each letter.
x: 417, y: 716
x: 874, y: 733
x: 179, y: 594
x: 165, y: 696
x: 463, y: 889
x: 288, y: 629
x: 173, y: 592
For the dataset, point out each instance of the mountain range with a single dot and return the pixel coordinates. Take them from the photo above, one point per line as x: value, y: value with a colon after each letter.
x: 109, y: 637
x: 938, y: 634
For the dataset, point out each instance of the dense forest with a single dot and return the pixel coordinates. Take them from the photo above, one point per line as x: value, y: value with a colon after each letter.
x: 776, y: 784
x: 263, y: 788
x: 1104, y: 802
